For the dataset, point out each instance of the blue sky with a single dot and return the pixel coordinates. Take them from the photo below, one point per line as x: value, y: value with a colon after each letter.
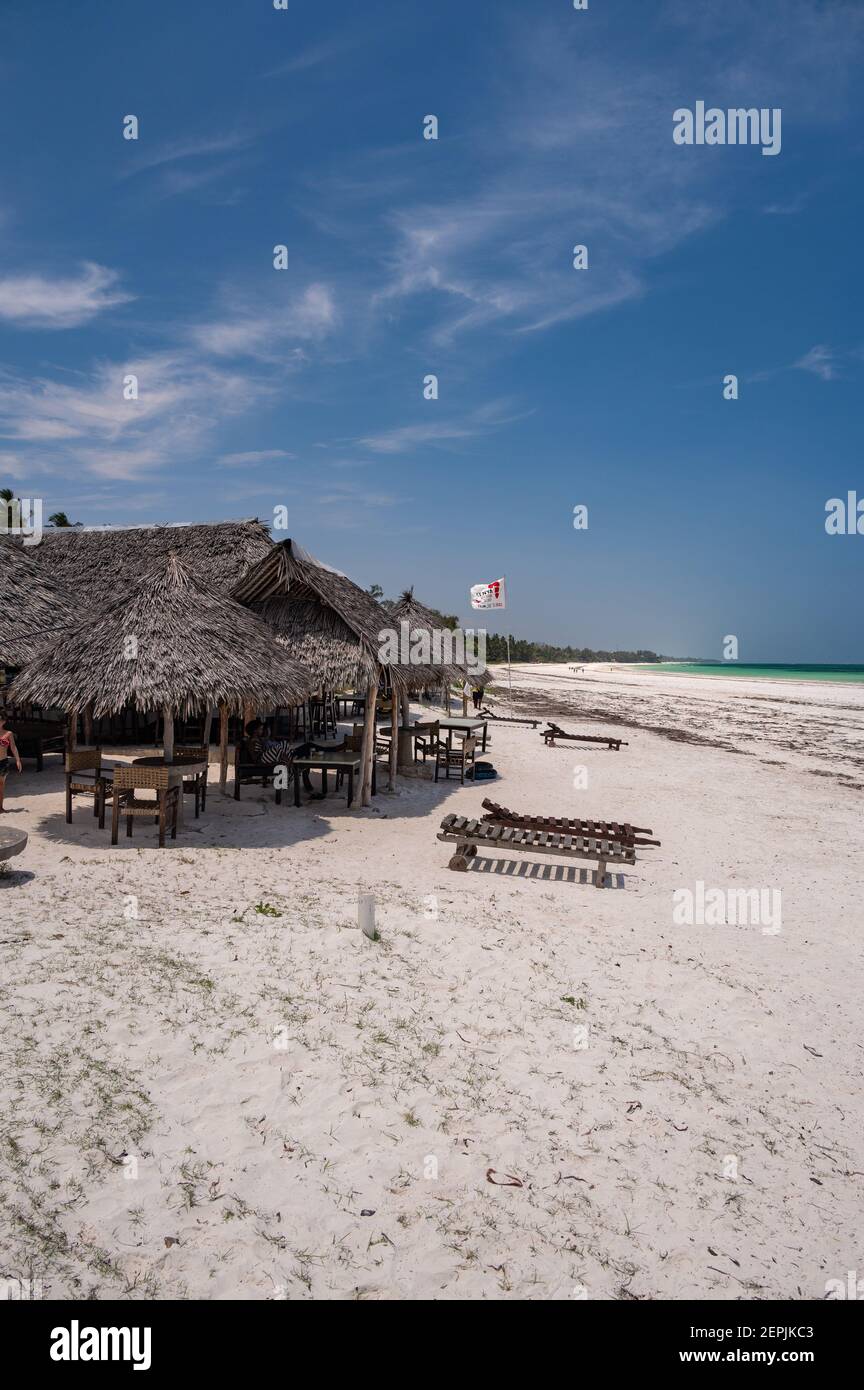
x: 303, y: 387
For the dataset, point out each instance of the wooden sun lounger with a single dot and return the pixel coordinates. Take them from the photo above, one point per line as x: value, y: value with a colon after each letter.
x: 507, y: 719
x: 624, y: 833
x: 549, y: 736
x: 468, y: 835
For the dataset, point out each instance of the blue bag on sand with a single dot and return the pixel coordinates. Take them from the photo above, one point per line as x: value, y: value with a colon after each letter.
x: 484, y: 772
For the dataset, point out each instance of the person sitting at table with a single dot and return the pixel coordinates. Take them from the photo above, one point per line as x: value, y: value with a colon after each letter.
x: 270, y: 751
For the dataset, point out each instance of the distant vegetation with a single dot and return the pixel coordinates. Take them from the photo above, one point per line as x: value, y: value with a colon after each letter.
x: 56, y: 519
x: 522, y: 650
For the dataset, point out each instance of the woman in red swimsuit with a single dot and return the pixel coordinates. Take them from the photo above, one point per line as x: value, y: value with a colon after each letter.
x: 8, y: 747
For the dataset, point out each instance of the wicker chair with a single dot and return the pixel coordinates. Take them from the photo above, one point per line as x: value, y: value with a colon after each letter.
x: 129, y: 780
x: 85, y: 776
x: 196, y: 784
x: 461, y: 758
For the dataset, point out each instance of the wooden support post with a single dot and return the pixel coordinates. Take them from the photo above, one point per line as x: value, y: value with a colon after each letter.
x: 72, y: 731
x: 208, y: 721
x: 223, y: 747
x: 168, y: 734
x: 395, y: 721
x: 368, y: 748
x: 88, y: 724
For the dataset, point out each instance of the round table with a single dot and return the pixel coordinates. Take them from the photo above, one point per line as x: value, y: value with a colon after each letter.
x: 11, y: 842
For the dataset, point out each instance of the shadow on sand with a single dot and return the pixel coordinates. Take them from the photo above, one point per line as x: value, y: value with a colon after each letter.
x: 545, y: 872
x: 254, y: 822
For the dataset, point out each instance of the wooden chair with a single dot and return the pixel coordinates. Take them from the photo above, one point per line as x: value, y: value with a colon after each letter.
x: 462, y: 758
x: 382, y: 745
x: 36, y: 737
x: 196, y: 784
x: 322, y: 712
x: 246, y: 769
x: 426, y: 740
x: 85, y: 777
x: 125, y: 802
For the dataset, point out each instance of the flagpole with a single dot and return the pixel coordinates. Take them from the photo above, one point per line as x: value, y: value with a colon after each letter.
x: 509, y: 667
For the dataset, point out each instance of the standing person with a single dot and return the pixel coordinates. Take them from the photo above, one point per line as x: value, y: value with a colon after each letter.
x: 477, y: 696
x: 8, y: 748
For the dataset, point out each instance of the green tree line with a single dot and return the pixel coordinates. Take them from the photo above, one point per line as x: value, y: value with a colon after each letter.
x: 523, y: 650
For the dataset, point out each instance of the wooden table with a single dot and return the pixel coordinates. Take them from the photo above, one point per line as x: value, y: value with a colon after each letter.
x: 337, y: 760
x: 465, y: 726
x: 11, y: 841
x: 347, y: 702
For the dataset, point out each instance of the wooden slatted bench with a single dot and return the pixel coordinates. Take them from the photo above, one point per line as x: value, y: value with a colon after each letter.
x: 593, y: 829
x: 469, y: 835
x: 507, y: 719
x: 611, y: 740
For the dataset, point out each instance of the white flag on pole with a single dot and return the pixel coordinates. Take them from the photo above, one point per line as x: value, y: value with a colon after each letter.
x: 491, y: 595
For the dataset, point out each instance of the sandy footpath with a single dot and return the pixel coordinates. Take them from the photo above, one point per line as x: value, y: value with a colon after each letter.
x: 214, y: 1086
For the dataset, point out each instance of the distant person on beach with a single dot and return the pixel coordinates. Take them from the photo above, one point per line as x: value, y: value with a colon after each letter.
x: 477, y: 696
x: 8, y: 749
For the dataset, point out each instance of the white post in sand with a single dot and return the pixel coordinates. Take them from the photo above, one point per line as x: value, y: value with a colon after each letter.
x: 366, y: 915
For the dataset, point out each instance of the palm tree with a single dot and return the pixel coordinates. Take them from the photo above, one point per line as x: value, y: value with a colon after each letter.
x: 7, y: 517
x: 61, y: 519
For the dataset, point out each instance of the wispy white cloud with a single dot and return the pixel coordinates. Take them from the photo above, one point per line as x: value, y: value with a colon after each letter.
x: 252, y: 457
x: 575, y: 147
x: 820, y: 360
x: 439, y: 433
x: 259, y: 330
x: 57, y: 302
x: 11, y: 466
x: 142, y: 158
x: 315, y: 54
x: 182, y: 403
x: 186, y: 393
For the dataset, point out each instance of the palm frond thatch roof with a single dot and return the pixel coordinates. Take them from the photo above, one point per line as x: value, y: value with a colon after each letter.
x: 172, y: 641
x: 94, y: 561
x: 326, y: 621
x: 419, y: 618
x: 33, y: 607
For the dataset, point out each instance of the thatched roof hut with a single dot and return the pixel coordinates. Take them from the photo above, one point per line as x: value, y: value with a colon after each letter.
x: 33, y: 607
x: 171, y: 643
x: 327, y: 622
x: 455, y: 654
x: 95, y: 561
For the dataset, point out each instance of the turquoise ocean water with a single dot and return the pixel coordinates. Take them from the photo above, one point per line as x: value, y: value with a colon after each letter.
x: 803, y: 672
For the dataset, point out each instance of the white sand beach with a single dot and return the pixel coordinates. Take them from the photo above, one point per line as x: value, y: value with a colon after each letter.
x: 214, y: 1086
